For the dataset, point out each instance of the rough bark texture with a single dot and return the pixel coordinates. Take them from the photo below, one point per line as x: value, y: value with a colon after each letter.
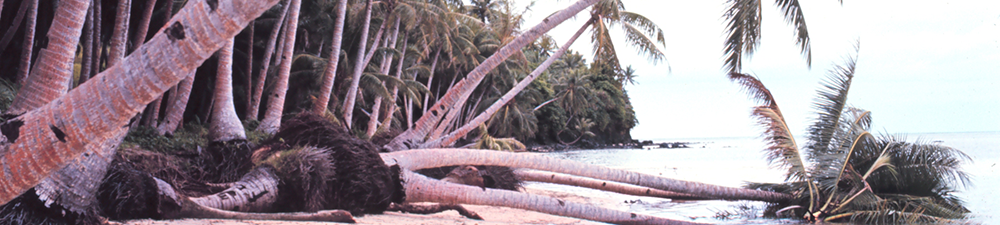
x: 225, y: 124
x: 47, y: 138
x: 422, y: 189
x: 457, y: 95
x: 452, y: 137
x: 386, y: 65
x: 29, y: 42
x: 140, y: 34
x: 276, y: 102
x: 359, y: 66
x: 258, y: 86
x: 255, y: 192
x: 176, y: 106
x: 558, y: 178
x: 88, y: 46
x: 119, y: 36
x: 431, y: 158
x: 9, y: 34
x: 53, y: 70
x: 98, y: 47
x: 330, y: 73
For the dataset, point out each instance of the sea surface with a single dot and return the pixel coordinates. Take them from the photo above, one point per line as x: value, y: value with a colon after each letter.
x: 733, y: 161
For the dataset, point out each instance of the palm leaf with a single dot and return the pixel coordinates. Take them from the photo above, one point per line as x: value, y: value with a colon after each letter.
x: 638, y: 29
x: 743, y: 21
x: 794, y: 17
x: 830, y: 106
x: 887, y: 217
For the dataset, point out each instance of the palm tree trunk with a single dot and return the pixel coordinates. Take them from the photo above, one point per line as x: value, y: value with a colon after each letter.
x: 359, y: 67
x: 258, y: 88
x: 330, y: 74
x: 430, y: 80
x: 53, y: 135
x: 249, y: 65
x: 9, y: 34
x: 254, y: 192
x: 461, y: 132
x: 225, y: 124
x: 190, y: 209
x: 53, y: 69
x: 88, y: 44
x: 433, y: 158
x: 29, y: 43
x: 558, y: 178
x: 272, y: 118
x: 98, y: 47
x: 176, y: 106
x: 422, y: 189
x: 154, y: 112
x: 457, y: 95
x: 119, y: 37
x: 386, y: 66
x: 140, y: 35
x: 391, y: 111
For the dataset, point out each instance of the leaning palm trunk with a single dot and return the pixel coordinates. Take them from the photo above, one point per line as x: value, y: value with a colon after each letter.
x: 255, y: 192
x: 225, y: 123
x: 433, y: 158
x: 258, y: 87
x: 53, y: 69
x: 558, y: 178
x: 176, y: 106
x: 53, y: 135
x: 29, y: 41
x: 142, y: 30
x: 276, y: 103
x: 87, y: 45
x: 194, y: 208
x: 452, y: 137
x: 457, y: 95
x: 386, y: 66
x: 330, y: 74
x: 422, y: 189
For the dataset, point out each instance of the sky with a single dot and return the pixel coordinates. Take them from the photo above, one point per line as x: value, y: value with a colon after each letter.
x: 923, y: 67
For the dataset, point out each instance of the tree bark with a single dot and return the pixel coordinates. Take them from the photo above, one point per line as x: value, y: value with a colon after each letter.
x: 53, y: 69
x: 558, y: 178
x: 98, y: 47
x: 176, y: 106
x: 457, y: 95
x: 430, y: 80
x: 119, y: 36
x: 88, y: 46
x: 272, y: 119
x: 56, y: 133
x: 225, y: 124
x: 254, y: 192
x: 258, y: 88
x: 359, y: 67
x: 422, y: 189
x: 330, y: 73
x: 433, y: 158
x: 386, y: 66
x: 249, y: 66
x: 140, y: 34
x: 29, y: 43
x: 391, y: 111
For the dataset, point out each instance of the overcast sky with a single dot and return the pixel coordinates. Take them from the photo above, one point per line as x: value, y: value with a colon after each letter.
x: 927, y: 66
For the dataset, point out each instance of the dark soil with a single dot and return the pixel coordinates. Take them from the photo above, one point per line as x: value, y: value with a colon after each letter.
x: 27, y: 209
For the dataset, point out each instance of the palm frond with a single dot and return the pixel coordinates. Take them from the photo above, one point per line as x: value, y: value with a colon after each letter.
x: 642, y: 43
x: 743, y: 21
x: 371, y: 83
x: 886, y: 217
x: 794, y: 17
x: 756, y: 90
x: 830, y: 105
x: 781, y: 149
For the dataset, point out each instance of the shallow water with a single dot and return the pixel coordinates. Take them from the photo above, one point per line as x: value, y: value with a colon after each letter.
x: 733, y: 161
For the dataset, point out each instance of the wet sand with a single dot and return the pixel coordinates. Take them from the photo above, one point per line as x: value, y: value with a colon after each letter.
x: 491, y: 214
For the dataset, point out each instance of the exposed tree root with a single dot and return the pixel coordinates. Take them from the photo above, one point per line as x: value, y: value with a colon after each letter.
x: 433, y: 208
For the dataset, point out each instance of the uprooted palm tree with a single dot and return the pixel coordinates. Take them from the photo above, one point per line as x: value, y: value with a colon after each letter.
x: 853, y: 175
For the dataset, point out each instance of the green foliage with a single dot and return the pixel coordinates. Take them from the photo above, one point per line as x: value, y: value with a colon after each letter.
x: 8, y: 91
x: 187, y: 138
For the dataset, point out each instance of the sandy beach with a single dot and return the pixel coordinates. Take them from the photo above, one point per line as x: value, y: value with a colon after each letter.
x: 491, y: 214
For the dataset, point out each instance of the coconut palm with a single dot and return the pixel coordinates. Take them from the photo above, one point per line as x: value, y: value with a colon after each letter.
x: 225, y: 124
x: 29, y: 40
x: 854, y: 175
x: 258, y: 86
x: 48, y: 132
x: 743, y: 25
x: 331, y: 67
x: 457, y: 95
x: 276, y: 103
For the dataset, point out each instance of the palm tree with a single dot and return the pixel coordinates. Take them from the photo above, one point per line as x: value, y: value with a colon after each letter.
x: 743, y: 20
x: 457, y: 95
x: 29, y: 41
x: 119, y: 37
x: 276, y: 103
x: 258, y: 86
x: 853, y: 175
x: 47, y: 138
x: 359, y: 65
x: 176, y: 106
x: 225, y: 124
x: 331, y: 66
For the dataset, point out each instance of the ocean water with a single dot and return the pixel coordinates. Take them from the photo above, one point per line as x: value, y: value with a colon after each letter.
x: 733, y: 161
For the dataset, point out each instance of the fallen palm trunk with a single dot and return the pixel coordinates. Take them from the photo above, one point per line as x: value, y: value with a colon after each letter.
x: 423, y: 189
x: 432, y: 158
x: 558, y: 178
x: 255, y: 192
x: 184, y: 207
